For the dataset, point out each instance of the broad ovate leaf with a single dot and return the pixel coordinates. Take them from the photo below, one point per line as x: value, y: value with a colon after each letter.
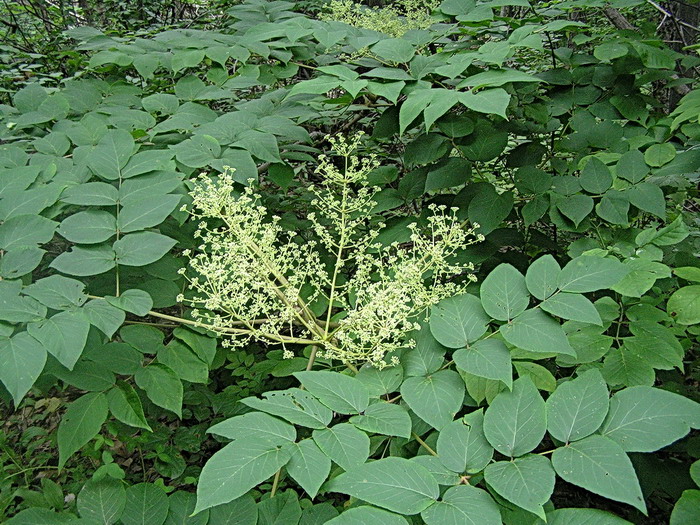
x: 393, y: 483
x: 645, y: 419
x: 600, y: 465
x: 578, y: 407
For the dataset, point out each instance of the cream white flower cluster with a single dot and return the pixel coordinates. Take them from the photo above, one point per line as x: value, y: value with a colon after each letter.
x: 252, y: 279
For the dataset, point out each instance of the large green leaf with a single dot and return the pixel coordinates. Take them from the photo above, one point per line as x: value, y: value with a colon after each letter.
x: 462, y: 505
x: 504, y: 294
x: 57, y: 292
x: 180, y: 507
x: 84, y: 261
x: 89, y: 227
x: 487, y: 358
x: 102, y: 500
x: 184, y: 362
x: 394, y: 49
x: 600, y: 465
x: 294, y: 405
x: 241, y: 511
x: 385, y: 381
x: 393, y: 483
x: 578, y: 407
x: 64, y: 335
x: 162, y: 386
x: 515, y: 481
x: 26, y: 230
x: 684, y: 304
x: 624, y: 367
x: 582, y: 516
x: 365, y: 515
x: 457, y: 321
x: 341, y: 393
x: 81, y: 422
x: 134, y: 301
x: 344, y: 444
x: 384, y: 418
x: 104, y: 316
x: 435, y: 398
x: 589, y: 274
x: 645, y: 419
x: 111, y: 154
x: 535, y: 331
x: 685, y: 512
x: 462, y: 446
x: 142, y: 248
x: 542, y: 276
x: 488, y: 208
x: 426, y: 357
x: 256, y: 425
x: 516, y: 422
x: 147, y: 212
x: 146, y: 504
x: 22, y: 358
x: 17, y: 309
x: 125, y: 405
x: 572, y: 306
x: 496, y: 77
x: 308, y: 466
x: 489, y: 101
x: 595, y: 177
x: 237, y: 468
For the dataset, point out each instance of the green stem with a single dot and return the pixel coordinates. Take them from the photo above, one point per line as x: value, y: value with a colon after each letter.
x: 423, y: 444
x: 275, y: 483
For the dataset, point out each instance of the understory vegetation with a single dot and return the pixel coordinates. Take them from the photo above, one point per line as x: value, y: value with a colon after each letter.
x: 328, y: 262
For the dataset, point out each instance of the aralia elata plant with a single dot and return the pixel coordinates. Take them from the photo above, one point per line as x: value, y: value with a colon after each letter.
x: 251, y: 279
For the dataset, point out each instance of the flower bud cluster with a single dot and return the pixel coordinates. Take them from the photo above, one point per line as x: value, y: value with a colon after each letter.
x: 249, y: 278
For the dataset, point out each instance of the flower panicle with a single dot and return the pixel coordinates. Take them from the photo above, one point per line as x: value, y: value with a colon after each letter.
x: 250, y: 279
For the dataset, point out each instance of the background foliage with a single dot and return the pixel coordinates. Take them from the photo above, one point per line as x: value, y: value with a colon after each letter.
x: 562, y: 387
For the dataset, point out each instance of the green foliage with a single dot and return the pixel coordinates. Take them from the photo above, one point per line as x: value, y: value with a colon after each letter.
x: 572, y: 357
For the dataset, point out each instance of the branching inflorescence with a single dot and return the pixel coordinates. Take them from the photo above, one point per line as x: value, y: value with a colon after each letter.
x: 251, y: 279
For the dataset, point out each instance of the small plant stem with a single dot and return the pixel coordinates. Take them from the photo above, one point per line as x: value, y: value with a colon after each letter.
x: 312, y: 358
x: 423, y: 444
x: 278, y: 338
x: 339, y: 255
x: 275, y: 483
x: 29, y: 469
